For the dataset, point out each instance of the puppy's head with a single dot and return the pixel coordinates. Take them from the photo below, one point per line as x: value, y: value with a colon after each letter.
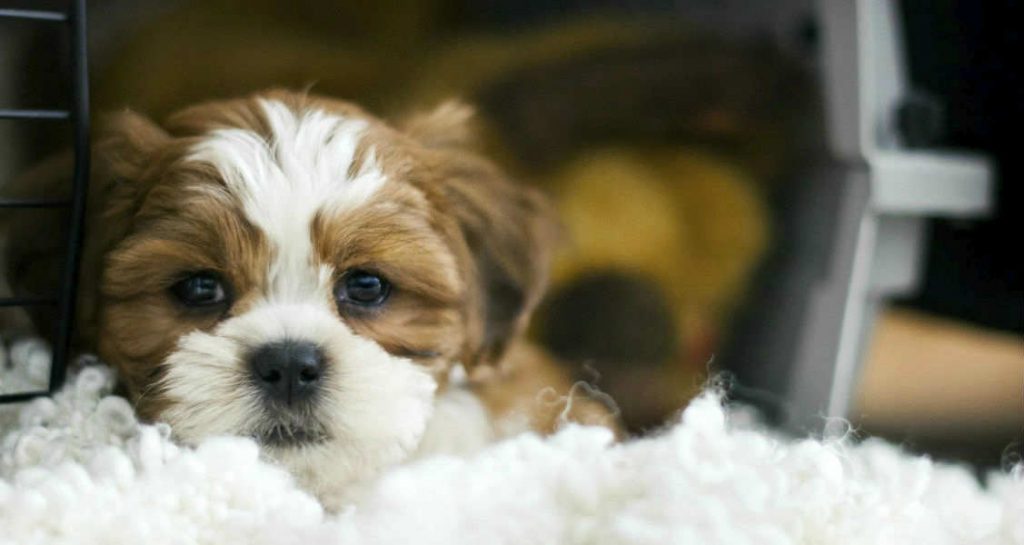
x: 292, y: 269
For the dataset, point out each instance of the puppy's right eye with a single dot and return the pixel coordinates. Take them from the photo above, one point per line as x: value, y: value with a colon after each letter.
x: 201, y: 289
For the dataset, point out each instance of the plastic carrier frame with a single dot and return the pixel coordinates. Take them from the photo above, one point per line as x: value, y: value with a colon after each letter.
x: 76, y: 115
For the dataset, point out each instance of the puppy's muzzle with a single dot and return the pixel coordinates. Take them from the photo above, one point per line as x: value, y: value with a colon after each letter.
x: 289, y: 373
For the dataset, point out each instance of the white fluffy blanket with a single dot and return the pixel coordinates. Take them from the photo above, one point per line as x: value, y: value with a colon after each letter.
x: 79, y: 469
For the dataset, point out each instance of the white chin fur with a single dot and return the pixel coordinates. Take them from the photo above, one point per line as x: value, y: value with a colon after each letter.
x: 374, y: 406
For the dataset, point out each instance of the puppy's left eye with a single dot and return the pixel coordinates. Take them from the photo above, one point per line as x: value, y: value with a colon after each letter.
x: 200, y: 289
x: 362, y: 288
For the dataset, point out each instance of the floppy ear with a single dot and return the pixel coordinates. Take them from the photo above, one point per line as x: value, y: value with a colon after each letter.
x: 34, y: 253
x: 509, y: 230
x: 126, y: 150
x: 450, y: 125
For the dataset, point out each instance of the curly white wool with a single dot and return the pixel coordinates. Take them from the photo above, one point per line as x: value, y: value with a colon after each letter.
x: 25, y: 366
x: 80, y: 469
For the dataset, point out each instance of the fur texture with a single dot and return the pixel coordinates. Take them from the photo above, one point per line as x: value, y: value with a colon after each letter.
x: 280, y: 196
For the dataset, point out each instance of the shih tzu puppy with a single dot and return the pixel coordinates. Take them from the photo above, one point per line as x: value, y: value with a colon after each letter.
x: 290, y: 268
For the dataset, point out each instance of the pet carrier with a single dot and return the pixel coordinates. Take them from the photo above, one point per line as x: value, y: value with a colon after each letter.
x: 76, y: 115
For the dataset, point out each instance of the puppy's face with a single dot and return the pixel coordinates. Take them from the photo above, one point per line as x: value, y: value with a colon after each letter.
x: 291, y: 269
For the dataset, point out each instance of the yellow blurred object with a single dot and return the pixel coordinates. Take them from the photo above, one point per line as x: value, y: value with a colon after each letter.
x: 660, y: 247
x: 686, y: 219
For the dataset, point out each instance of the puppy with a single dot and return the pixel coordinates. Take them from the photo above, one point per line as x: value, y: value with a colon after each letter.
x: 290, y: 268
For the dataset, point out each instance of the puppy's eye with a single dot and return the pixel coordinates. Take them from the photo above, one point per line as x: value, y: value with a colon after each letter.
x: 362, y: 288
x: 200, y: 289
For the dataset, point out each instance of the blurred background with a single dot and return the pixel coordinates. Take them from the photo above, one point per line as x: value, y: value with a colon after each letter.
x: 812, y: 202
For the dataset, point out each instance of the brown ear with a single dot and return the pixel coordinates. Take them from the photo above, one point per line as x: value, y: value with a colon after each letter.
x: 126, y: 147
x: 508, y: 229
x: 510, y: 232
x: 450, y: 125
x: 33, y: 256
x: 123, y: 151
x: 126, y: 152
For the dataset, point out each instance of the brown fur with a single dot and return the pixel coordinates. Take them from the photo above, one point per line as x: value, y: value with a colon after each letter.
x: 466, y: 249
x: 531, y: 384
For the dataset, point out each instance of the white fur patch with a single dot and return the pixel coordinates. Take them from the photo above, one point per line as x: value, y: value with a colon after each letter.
x: 374, y: 406
x: 283, y: 182
x: 461, y: 424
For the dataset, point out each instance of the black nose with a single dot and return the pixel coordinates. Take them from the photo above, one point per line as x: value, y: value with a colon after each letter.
x: 288, y: 372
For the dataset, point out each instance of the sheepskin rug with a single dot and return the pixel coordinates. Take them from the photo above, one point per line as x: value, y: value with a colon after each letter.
x: 79, y: 468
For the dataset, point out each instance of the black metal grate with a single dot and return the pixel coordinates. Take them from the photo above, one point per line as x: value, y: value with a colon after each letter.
x: 74, y: 22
